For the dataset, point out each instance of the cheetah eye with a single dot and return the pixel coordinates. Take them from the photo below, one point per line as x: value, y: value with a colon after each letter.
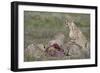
x: 67, y: 24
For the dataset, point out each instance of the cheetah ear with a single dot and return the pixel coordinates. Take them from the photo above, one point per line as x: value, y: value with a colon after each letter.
x: 70, y: 19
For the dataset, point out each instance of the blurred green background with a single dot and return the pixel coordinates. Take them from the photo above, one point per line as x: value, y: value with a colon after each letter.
x: 40, y: 27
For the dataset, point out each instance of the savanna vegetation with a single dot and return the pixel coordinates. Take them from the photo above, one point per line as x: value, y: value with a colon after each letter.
x: 40, y: 27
